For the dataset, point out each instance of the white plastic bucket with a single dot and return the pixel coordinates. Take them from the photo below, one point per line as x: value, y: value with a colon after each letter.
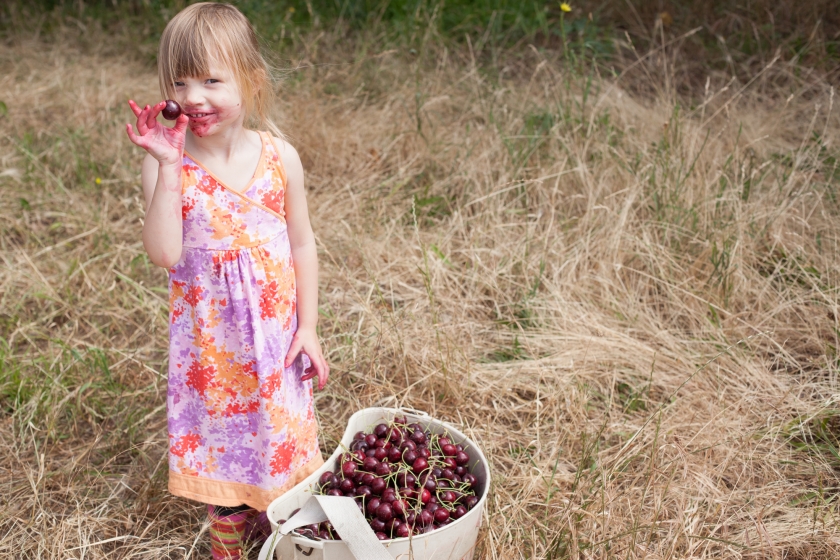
x: 455, y: 541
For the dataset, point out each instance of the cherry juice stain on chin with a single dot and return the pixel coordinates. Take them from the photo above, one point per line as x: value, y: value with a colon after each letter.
x: 202, y: 127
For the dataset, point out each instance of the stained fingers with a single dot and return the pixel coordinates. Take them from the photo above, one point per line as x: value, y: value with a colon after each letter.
x: 138, y: 140
x: 154, y: 110
x: 181, y: 124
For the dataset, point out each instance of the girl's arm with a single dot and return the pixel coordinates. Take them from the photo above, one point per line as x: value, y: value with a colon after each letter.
x: 162, y: 227
x: 305, y: 258
x: 161, y: 179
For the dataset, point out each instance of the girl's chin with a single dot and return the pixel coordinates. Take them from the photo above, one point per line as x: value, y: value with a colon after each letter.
x: 202, y: 129
x: 210, y: 125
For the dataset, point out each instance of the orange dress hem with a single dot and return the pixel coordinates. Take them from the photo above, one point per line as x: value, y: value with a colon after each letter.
x: 230, y: 494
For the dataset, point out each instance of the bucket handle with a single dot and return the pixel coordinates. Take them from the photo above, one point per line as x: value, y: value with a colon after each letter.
x: 348, y: 521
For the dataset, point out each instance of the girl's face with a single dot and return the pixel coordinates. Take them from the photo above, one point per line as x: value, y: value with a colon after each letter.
x: 213, y: 102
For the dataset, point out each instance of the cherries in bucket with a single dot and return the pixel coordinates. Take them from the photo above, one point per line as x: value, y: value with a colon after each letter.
x: 405, y: 479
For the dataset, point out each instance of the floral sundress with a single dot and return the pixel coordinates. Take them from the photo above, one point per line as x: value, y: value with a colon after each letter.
x: 242, y: 427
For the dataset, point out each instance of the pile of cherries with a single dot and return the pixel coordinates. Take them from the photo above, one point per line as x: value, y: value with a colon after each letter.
x: 405, y: 479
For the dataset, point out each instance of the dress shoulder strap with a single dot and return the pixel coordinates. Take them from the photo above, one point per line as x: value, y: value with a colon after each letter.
x: 274, y: 161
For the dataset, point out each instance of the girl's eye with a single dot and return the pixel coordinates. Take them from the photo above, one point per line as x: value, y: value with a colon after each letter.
x: 212, y: 80
x: 179, y: 84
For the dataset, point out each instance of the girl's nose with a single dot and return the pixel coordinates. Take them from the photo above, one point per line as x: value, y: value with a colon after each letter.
x: 193, y: 97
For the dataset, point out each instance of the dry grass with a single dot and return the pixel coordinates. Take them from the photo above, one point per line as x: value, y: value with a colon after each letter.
x: 632, y: 306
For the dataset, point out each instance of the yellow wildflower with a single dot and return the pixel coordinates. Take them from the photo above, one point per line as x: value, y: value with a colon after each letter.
x: 565, y: 7
x: 98, y: 181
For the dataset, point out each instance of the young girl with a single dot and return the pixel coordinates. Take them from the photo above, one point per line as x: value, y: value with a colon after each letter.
x: 226, y: 213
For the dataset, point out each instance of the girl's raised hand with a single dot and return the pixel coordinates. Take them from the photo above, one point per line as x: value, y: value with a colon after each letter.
x: 164, y: 144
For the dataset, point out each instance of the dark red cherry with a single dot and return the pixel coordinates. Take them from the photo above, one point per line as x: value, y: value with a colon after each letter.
x: 400, y: 507
x: 334, y: 492
x: 425, y: 496
x: 471, y: 502
x: 470, y: 479
x: 172, y: 110
x: 419, y: 465
x: 381, y: 536
x: 441, y: 515
x: 380, y: 430
x: 401, y: 478
x: 385, y: 512
x: 326, y: 478
x: 462, y: 458
x: 459, y: 512
x: 403, y: 531
x: 378, y: 486
x: 449, y: 450
x: 348, y: 468
x: 370, y: 439
x: 426, y: 517
x: 372, y: 504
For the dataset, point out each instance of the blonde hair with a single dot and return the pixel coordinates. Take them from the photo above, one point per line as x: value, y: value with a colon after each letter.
x: 207, y: 32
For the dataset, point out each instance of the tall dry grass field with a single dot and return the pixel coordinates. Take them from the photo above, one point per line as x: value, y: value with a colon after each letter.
x: 631, y: 303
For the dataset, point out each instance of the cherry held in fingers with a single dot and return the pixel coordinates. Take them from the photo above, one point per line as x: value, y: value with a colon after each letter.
x: 172, y: 110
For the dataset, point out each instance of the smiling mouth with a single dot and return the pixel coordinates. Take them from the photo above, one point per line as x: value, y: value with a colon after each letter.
x: 198, y: 115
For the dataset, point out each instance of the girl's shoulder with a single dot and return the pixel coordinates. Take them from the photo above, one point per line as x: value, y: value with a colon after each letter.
x: 288, y: 154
